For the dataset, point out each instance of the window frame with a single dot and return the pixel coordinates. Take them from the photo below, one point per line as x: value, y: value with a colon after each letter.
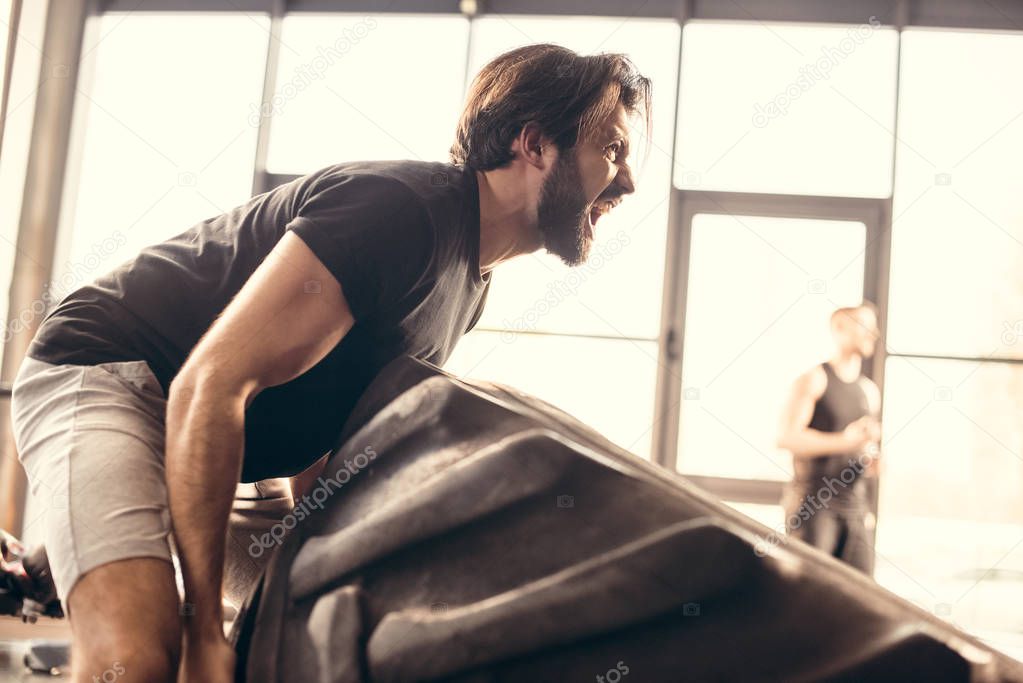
x: 876, y: 214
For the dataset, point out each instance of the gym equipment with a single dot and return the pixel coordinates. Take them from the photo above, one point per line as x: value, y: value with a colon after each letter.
x: 26, y: 585
x: 48, y: 656
x: 466, y: 532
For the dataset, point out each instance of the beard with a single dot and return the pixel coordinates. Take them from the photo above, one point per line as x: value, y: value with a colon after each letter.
x: 563, y: 212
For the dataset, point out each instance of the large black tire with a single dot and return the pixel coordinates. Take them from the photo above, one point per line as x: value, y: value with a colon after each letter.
x: 485, y: 535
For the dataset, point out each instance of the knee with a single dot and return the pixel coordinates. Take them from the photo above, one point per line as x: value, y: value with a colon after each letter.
x: 126, y: 660
x: 126, y: 649
x: 135, y: 626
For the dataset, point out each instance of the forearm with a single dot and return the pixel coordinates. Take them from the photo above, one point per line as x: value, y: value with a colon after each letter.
x: 205, y: 441
x: 810, y: 443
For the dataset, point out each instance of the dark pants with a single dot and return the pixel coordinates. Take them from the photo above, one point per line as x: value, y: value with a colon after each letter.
x: 842, y: 529
x: 840, y: 534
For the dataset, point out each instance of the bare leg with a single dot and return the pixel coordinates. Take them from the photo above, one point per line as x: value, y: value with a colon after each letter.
x: 125, y: 618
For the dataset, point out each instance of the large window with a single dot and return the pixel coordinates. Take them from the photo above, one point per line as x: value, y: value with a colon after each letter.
x: 343, y: 95
x: 5, y: 31
x: 793, y: 168
x: 164, y: 141
x: 782, y: 129
x: 159, y: 142
x: 950, y: 526
x: 787, y: 109
x: 542, y: 315
x: 606, y: 383
x: 17, y: 134
x: 9, y: 187
x: 761, y: 291
x: 957, y: 250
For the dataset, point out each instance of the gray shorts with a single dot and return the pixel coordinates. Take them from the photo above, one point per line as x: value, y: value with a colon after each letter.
x: 91, y: 440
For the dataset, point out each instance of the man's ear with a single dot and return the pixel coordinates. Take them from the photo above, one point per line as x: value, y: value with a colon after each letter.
x: 534, y: 145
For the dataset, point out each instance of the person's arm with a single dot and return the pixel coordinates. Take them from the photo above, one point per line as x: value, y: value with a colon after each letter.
x: 873, y: 397
x: 289, y: 314
x: 874, y: 407
x: 795, y: 434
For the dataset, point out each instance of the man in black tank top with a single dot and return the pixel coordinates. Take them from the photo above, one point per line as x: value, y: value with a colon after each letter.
x: 831, y: 427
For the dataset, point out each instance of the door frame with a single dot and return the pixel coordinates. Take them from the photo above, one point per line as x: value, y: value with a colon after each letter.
x: 875, y: 214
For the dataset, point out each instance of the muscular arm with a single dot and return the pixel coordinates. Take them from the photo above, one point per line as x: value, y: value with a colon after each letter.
x: 289, y: 314
x: 873, y: 397
x: 795, y: 433
x: 874, y: 407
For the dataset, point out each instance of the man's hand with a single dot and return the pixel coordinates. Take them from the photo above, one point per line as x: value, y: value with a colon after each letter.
x: 874, y: 467
x: 873, y: 449
x: 861, y: 433
x: 206, y: 660
x: 863, y: 437
x: 874, y: 429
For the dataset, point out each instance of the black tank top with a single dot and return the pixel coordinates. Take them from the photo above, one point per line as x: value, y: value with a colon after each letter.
x: 841, y: 404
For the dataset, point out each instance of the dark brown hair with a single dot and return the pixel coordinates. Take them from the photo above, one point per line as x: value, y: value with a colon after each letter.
x: 567, y: 94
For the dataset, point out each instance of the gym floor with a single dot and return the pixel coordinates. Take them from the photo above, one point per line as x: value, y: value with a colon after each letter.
x: 15, y: 637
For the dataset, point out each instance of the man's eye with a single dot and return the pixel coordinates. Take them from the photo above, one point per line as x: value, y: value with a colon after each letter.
x: 614, y: 148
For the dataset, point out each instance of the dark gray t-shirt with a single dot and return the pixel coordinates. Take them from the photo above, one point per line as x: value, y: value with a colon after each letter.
x: 402, y: 238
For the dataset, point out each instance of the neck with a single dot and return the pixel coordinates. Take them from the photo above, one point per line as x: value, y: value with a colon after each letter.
x: 847, y: 364
x: 506, y: 227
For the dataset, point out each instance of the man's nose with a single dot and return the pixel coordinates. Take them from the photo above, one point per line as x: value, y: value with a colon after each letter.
x: 624, y: 180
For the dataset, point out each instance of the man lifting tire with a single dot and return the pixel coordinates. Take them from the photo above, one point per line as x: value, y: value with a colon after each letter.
x: 235, y: 350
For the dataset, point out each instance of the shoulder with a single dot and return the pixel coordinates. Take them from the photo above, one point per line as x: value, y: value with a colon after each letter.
x: 363, y: 194
x: 423, y: 179
x: 358, y: 183
x: 870, y: 389
x: 428, y: 203
x: 812, y: 382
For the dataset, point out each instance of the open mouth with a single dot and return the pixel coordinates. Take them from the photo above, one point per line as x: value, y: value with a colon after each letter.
x: 596, y: 211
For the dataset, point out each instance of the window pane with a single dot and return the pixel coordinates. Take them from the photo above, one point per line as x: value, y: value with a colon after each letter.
x: 787, y: 109
x: 618, y: 293
x: 761, y: 292
x: 957, y: 251
x: 950, y: 523
x: 17, y: 133
x: 355, y: 86
x: 608, y: 384
x: 164, y: 140
x: 5, y: 30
